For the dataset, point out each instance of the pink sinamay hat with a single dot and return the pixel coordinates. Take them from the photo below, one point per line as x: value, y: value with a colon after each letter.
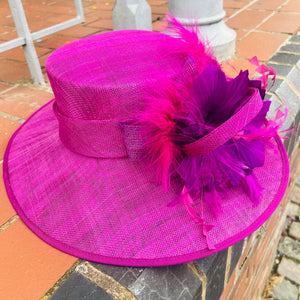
x: 148, y: 155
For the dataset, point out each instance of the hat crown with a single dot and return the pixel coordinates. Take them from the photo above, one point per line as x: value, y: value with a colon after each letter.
x: 104, y: 76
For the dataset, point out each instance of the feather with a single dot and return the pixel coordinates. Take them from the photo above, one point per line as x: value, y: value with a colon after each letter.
x: 191, y: 106
x: 214, y: 98
x: 157, y: 122
x: 264, y: 72
x: 195, y: 44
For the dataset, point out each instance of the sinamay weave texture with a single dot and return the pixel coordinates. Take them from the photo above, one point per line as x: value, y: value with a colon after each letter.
x: 96, y: 203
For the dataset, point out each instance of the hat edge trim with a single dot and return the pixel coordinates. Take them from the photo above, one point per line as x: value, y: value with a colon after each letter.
x: 144, y: 262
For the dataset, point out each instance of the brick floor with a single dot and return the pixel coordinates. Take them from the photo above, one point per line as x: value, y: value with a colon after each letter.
x: 232, y: 67
x: 233, y: 4
x: 18, y: 53
x: 3, y: 87
x: 261, y: 44
x: 9, y: 34
x: 11, y: 71
x: 261, y: 28
x: 56, y: 41
x: 7, y: 128
x: 247, y: 19
x: 28, y: 265
x: 6, y: 211
x: 282, y: 22
x: 79, y: 31
x: 292, y: 6
x: 23, y: 101
x: 267, y: 4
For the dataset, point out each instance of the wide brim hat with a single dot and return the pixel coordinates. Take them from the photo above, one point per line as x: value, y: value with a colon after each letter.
x: 75, y: 175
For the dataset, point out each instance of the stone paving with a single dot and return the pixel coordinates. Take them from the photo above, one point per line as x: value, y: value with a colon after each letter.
x: 31, y: 269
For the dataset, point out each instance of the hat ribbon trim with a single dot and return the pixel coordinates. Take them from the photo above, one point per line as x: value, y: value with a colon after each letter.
x: 92, y: 138
x: 228, y: 129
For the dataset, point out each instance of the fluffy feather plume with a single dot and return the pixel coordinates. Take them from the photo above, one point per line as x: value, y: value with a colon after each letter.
x: 195, y: 44
x: 184, y: 110
x: 157, y: 123
x: 214, y: 100
x: 163, y: 110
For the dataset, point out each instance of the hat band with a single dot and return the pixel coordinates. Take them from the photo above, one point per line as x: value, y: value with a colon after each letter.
x: 107, y: 138
x: 228, y: 129
x: 92, y: 138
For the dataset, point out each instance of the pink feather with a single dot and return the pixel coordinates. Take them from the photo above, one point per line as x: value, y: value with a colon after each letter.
x: 196, y: 45
x: 157, y: 123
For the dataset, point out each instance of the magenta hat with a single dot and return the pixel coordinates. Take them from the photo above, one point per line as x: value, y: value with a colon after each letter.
x: 148, y: 155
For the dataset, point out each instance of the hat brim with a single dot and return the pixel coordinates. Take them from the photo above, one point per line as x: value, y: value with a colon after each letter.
x: 112, y: 211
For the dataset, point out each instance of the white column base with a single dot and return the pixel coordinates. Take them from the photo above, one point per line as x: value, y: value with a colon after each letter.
x: 132, y: 14
x: 221, y: 38
x: 207, y: 15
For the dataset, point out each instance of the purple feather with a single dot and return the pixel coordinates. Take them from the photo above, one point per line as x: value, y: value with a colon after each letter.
x: 198, y: 101
x: 214, y: 99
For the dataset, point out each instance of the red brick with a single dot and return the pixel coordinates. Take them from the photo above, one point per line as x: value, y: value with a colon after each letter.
x: 53, y: 9
x: 228, y: 287
x: 6, y: 211
x: 29, y: 266
x: 90, y: 18
x: 89, y: 12
x: 4, y: 11
x: 7, y: 20
x: 23, y: 101
x: 282, y: 22
x: 233, y: 4
x: 4, y: 87
x: 159, y: 9
x: 267, y: 4
x: 240, y: 34
x: 247, y: 19
x: 8, y: 35
x: 11, y: 71
x: 233, y: 67
x: 260, y: 44
x: 64, y: 3
x: 106, y: 6
x: 6, y: 29
x: 102, y: 24
x: 37, y: 24
x: 230, y: 11
x: 159, y: 25
x: 292, y: 6
x: 157, y: 2
x: 62, y: 18
x: 79, y: 31
x: 7, y: 128
x: 32, y: 14
x: 18, y: 53
x: 56, y: 41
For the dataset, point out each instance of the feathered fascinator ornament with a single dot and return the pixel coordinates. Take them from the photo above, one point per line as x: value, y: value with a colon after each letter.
x: 187, y: 129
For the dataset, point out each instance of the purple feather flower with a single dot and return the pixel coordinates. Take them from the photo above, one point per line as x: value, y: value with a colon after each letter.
x: 214, y: 99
